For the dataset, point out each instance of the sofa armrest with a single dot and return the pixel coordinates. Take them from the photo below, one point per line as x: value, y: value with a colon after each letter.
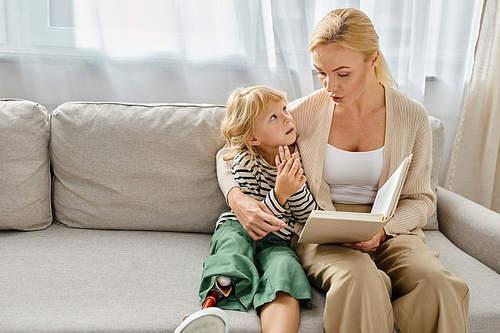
x: 470, y: 226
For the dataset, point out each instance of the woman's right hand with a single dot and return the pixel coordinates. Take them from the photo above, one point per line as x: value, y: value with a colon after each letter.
x: 253, y: 215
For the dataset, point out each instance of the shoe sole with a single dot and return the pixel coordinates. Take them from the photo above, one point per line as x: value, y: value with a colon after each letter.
x: 212, y: 320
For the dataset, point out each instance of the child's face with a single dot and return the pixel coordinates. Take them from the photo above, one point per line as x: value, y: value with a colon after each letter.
x: 275, y: 127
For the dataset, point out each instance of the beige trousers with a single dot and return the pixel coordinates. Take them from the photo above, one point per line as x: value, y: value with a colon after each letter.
x: 403, y: 284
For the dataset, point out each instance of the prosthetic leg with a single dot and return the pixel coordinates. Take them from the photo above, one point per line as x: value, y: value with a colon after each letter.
x: 209, y: 318
x: 221, y: 288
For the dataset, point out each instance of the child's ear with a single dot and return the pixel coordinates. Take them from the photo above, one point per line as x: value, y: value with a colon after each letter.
x: 253, y: 141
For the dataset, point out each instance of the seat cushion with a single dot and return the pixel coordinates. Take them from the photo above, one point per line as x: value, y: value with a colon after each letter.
x: 80, y: 280
x: 483, y: 282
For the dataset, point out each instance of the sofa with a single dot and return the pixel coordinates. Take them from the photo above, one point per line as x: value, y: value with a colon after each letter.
x: 107, y: 210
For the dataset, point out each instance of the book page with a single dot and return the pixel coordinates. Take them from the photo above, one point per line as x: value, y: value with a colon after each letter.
x: 388, y: 195
x: 323, y: 214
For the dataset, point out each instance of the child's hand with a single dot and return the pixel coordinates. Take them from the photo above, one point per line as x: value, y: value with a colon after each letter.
x: 284, y: 155
x: 290, y: 177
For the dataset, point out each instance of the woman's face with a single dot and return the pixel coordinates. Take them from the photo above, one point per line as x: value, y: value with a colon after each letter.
x: 343, y: 73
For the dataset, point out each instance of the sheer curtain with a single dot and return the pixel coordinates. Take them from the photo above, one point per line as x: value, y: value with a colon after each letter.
x: 474, y: 170
x: 191, y: 51
x: 152, y: 50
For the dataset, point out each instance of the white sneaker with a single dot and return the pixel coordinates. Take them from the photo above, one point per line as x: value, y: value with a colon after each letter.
x: 209, y: 320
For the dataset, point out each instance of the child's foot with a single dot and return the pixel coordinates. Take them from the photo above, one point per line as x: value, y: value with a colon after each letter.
x: 212, y: 320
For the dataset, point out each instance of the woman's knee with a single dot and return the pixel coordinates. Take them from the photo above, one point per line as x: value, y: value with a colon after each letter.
x: 437, y: 279
x: 426, y: 273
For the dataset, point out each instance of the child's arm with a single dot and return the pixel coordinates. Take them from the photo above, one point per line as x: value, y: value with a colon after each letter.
x: 301, y: 203
x: 249, y: 176
x: 289, y: 180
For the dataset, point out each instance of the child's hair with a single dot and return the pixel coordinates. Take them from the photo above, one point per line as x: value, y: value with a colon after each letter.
x: 243, y: 107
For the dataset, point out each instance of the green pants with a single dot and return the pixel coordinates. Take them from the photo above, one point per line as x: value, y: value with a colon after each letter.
x: 259, y: 269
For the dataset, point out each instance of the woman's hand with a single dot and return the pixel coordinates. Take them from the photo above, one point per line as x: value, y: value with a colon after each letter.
x: 253, y: 215
x: 370, y: 245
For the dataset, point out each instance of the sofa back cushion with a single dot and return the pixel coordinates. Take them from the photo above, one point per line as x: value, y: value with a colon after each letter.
x: 148, y: 167
x: 136, y: 167
x: 24, y: 166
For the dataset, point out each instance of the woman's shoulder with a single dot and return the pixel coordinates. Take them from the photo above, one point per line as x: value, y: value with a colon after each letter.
x: 316, y: 100
x: 402, y: 99
x: 403, y: 104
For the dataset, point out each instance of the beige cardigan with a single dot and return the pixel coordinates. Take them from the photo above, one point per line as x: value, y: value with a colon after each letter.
x: 407, y: 132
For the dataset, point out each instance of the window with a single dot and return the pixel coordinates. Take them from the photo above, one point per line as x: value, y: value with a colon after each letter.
x: 208, y: 30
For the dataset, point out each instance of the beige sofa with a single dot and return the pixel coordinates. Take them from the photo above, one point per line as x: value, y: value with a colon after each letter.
x: 107, y: 209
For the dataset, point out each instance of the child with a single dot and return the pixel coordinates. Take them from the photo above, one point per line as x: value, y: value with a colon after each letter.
x: 265, y: 273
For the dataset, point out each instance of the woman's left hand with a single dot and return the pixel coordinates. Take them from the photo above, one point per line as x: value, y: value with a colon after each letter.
x: 370, y: 245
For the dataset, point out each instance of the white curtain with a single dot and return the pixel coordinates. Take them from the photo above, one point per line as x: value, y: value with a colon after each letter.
x: 197, y: 51
x: 188, y: 51
x: 475, y: 165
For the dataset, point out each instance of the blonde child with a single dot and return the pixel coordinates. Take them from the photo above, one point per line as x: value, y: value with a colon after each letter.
x: 265, y: 273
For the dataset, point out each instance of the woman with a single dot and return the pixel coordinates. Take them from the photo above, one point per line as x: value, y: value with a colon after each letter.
x: 352, y: 135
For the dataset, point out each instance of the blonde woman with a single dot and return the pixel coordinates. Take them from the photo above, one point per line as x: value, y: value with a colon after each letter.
x: 265, y: 273
x: 352, y: 135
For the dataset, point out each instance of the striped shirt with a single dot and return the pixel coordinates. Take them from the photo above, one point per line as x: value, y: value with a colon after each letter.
x: 257, y: 179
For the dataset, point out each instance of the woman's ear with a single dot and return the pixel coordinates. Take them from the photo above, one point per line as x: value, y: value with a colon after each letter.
x: 375, y: 58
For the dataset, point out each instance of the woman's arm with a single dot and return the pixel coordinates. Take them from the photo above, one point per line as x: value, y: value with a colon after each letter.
x: 417, y: 199
x: 251, y: 213
x: 224, y: 175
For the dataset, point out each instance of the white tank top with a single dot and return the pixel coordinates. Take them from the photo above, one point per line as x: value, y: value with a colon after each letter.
x: 353, y: 176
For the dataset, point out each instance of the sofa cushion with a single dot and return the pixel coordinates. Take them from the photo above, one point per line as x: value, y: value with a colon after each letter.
x: 77, y: 280
x: 24, y: 166
x: 136, y: 167
x: 437, y: 129
x: 483, y: 282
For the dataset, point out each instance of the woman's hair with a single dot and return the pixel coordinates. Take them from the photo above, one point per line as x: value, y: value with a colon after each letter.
x: 243, y: 107
x: 351, y: 29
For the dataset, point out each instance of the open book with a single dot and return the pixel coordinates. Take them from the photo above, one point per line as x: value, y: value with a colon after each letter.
x: 335, y: 227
